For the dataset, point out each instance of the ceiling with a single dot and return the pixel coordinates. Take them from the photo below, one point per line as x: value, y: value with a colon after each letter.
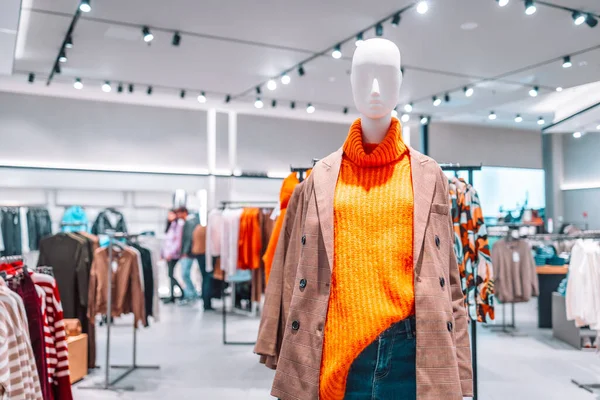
x: 238, y: 45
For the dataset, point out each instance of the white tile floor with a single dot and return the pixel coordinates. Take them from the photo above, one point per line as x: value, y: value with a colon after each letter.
x: 196, y: 365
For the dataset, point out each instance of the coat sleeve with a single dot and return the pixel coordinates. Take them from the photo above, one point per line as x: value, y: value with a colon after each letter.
x: 461, y: 331
x: 272, y: 324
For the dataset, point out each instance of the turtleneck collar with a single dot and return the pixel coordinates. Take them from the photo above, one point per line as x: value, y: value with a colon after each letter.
x: 391, y: 149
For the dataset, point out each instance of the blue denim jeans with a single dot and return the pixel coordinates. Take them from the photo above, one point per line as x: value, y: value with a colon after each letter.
x: 186, y: 274
x: 385, y: 370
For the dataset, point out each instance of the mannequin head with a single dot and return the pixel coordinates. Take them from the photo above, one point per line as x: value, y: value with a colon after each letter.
x: 376, y: 78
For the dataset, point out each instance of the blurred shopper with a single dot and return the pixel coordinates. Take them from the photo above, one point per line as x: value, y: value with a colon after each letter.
x: 171, y: 251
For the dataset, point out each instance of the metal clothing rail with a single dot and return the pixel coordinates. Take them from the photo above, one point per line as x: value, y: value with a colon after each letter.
x: 469, y: 169
x: 225, y: 204
x: 109, y: 384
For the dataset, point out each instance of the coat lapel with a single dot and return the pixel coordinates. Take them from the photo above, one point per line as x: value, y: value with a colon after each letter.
x: 423, y: 179
x: 325, y: 175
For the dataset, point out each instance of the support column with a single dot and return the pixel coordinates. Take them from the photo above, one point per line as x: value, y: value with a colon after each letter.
x: 211, y: 149
x: 552, y: 161
x: 425, y: 139
x: 232, y: 140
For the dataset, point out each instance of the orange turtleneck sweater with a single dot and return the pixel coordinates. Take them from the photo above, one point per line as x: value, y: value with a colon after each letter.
x: 372, y: 284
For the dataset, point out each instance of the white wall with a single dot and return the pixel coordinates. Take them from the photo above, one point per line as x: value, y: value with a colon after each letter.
x: 479, y: 144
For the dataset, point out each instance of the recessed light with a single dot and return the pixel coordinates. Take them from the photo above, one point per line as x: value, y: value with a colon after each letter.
x: 577, y: 135
x: 559, y: 89
x: 405, y: 117
x: 422, y: 7
x: 541, y: 121
x: 492, y: 116
x: 469, y: 26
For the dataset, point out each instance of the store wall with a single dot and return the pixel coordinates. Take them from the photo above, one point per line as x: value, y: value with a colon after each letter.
x: 480, y: 144
x: 581, y: 169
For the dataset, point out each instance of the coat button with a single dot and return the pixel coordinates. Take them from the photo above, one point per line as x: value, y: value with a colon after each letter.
x: 437, y: 241
x: 303, y: 239
x: 449, y: 326
x: 442, y: 282
x: 302, y: 283
x: 295, y: 325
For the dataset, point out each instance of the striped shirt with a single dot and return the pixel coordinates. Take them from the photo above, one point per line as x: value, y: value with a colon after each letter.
x: 18, y: 372
x: 57, y: 356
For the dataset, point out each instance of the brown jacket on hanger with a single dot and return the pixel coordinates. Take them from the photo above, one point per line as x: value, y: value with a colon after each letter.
x: 199, y: 240
x: 299, y: 285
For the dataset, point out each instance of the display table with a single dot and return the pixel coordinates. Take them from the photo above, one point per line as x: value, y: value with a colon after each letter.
x: 549, y: 277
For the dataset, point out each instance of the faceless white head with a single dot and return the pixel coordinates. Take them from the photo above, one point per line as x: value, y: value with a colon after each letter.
x: 376, y: 77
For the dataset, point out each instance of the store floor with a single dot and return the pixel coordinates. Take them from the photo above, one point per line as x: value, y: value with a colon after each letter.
x: 196, y: 365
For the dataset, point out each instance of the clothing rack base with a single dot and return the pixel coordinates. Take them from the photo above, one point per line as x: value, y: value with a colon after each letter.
x: 586, y: 386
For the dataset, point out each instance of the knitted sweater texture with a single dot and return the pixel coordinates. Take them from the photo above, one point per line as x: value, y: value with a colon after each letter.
x: 372, y: 284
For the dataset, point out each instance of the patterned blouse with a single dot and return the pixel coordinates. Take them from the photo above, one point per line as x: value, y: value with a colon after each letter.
x: 472, y: 251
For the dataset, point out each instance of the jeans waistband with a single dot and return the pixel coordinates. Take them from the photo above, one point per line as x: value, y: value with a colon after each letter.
x: 406, y: 327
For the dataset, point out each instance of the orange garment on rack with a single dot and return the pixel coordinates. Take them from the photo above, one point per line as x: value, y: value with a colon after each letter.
x: 250, y: 239
x: 372, y: 284
x: 287, y: 188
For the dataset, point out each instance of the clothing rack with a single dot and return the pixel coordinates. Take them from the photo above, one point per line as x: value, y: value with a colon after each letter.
x: 225, y: 204
x: 456, y: 167
x: 108, y: 384
x: 300, y: 171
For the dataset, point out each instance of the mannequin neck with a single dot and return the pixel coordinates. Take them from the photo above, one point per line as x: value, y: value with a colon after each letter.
x: 374, y: 130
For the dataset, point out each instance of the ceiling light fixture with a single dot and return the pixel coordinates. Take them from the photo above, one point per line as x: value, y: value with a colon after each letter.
x: 436, y: 101
x: 310, y: 108
x: 273, y: 103
x: 130, y: 88
x: 120, y: 88
x: 78, y: 84
x: 258, y: 90
x: 567, y: 62
x: 227, y: 98
x: 408, y: 107
x: 591, y: 21
x: 149, y: 90
x: 518, y: 119
x: 337, y: 52
x: 201, y: 97
x: 422, y: 7
x: 63, y: 56
x: 447, y: 98
x: 292, y: 105
x: 492, y: 115
x: 577, y: 135
x: 598, y: 127
x: 57, y: 69
x: 345, y: 111
x: 468, y: 91
x: 85, y: 6
x: 530, y: 7
x: 502, y: 3
x: 424, y: 120
x: 379, y: 30
x: 541, y: 121
x: 258, y: 103
x: 147, y: 35
x: 176, y: 39
x: 301, y: 70
x: 578, y: 17
x: 533, y: 92
x: 359, y: 39
x: 106, y: 87
x: 394, y: 113
x: 285, y: 79
x: 31, y: 78
x: 271, y: 84
x: 405, y: 117
x: 69, y: 42
x: 396, y: 19
x: 559, y: 89
x: 182, y: 94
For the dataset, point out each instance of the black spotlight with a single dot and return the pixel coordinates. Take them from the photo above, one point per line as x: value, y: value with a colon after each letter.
x: 301, y: 70
x: 293, y: 105
x: 182, y: 94
x: 57, y: 69
x: 130, y: 88
x: 31, y: 78
x: 447, y: 98
x: 274, y: 103
x: 396, y: 20
x: 258, y: 90
x: 120, y: 88
x: 345, y: 110
x: 591, y: 21
x: 176, y: 39
x: 69, y: 43
x: 149, y: 91
x: 379, y: 30
x: 227, y: 98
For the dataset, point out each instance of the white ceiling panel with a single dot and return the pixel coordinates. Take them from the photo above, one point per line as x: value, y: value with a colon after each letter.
x: 9, y: 21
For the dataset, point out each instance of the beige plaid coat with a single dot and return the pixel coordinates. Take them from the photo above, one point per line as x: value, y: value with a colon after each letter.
x: 290, y: 338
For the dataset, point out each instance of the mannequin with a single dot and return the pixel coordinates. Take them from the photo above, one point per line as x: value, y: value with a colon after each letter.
x: 376, y: 81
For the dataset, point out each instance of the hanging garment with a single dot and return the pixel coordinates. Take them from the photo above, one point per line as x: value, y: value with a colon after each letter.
x: 147, y: 272
x: 172, y: 244
x: 11, y: 231
x: 109, y: 219
x: 472, y: 251
x: 516, y: 276
x: 229, y: 240
x: 128, y: 295
x: 287, y: 188
x: 74, y: 220
x: 56, y: 342
x: 39, y: 226
x: 295, y: 310
x: 153, y: 244
x: 24, y: 231
x: 582, y: 295
x: 214, y: 229
x: 19, y: 379
x: 199, y: 241
x: 250, y: 239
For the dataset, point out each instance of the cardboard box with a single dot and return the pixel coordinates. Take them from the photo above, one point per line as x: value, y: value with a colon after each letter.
x: 78, y: 357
